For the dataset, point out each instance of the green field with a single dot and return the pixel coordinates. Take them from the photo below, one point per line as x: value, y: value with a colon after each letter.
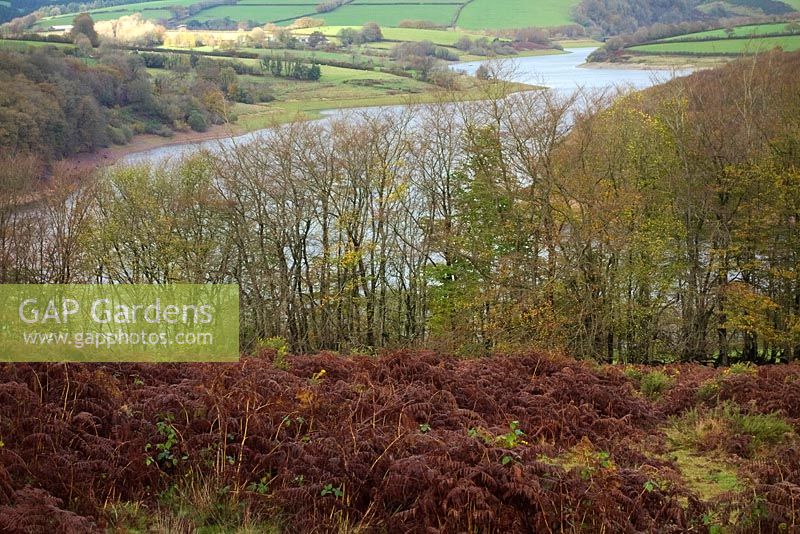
x: 149, y: 10
x: 7, y: 44
x: 486, y: 14
x: 475, y: 15
x: 723, y: 46
x: 440, y: 37
x: 389, y: 15
x: 260, y: 14
x: 107, y: 14
x: 393, y: 2
x: 339, y: 88
x: 738, y: 31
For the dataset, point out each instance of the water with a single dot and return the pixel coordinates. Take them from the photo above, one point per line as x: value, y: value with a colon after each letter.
x: 560, y: 72
x: 563, y: 72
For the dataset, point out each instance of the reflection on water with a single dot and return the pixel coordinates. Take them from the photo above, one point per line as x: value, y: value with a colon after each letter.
x: 561, y: 72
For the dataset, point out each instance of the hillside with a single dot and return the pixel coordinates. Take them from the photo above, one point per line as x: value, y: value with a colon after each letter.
x: 402, y: 442
x: 602, y: 17
x: 722, y: 43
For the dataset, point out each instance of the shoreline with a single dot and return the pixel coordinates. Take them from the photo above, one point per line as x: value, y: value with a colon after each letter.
x: 607, y: 65
x: 89, y: 162
x: 677, y: 63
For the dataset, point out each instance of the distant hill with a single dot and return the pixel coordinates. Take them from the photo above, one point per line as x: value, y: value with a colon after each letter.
x: 601, y: 17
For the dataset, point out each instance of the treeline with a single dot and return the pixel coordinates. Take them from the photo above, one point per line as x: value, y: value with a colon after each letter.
x: 614, y: 17
x: 655, y: 226
x: 614, y: 47
x: 291, y: 68
x: 55, y: 105
x: 629, y: 17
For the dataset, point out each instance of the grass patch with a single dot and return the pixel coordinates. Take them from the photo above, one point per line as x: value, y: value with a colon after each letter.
x: 260, y: 14
x: 726, y: 427
x: 738, y: 31
x: 9, y: 44
x: 707, y: 477
x: 196, y: 504
x: 498, y: 14
x: 652, y: 384
x: 389, y: 15
x: 723, y: 46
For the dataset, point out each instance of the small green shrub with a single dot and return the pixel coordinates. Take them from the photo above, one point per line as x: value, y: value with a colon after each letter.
x: 766, y: 429
x: 634, y: 374
x: 654, y: 384
x: 117, y: 136
x: 708, y: 390
x: 281, y: 348
x: 743, y: 368
x: 197, y: 121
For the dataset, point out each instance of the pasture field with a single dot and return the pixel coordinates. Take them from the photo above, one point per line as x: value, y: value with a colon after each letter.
x: 722, y: 46
x: 738, y: 31
x: 338, y: 88
x: 440, y: 37
x: 389, y: 15
x: 498, y: 14
x: 475, y: 15
x: 110, y: 14
x: 8, y: 44
x: 258, y: 13
x: 158, y: 9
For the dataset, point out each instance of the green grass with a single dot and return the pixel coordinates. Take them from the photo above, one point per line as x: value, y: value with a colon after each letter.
x: 495, y: 14
x: 705, y: 429
x: 341, y: 88
x: 723, y: 46
x: 440, y: 37
x: 7, y: 44
x: 389, y: 15
x: 149, y: 10
x: 654, y: 384
x: 707, y: 476
x: 149, y: 14
x: 260, y: 14
x: 390, y: 2
x: 738, y: 31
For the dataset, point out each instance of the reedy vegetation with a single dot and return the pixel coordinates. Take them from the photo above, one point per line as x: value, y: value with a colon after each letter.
x: 661, y: 224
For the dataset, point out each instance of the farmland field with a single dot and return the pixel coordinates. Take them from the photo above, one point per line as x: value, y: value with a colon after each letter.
x: 477, y: 15
x: 723, y: 46
x: 8, y: 44
x: 738, y: 31
x: 389, y: 15
x: 260, y: 14
x: 108, y: 14
x: 440, y: 37
x: 484, y: 14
